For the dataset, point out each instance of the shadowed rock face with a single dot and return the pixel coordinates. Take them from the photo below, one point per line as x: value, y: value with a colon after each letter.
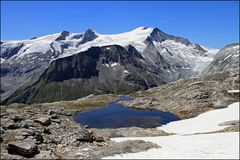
x: 7, y: 51
x: 89, y: 35
x: 109, y: 69
x: 79, y: 66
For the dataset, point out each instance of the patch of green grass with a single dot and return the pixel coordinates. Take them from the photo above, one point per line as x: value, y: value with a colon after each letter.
x: 86, y: 105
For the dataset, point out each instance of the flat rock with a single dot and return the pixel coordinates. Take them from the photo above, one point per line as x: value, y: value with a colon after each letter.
x: 43, y: 120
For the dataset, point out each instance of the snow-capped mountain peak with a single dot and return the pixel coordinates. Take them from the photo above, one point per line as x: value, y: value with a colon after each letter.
x: 177, y: 56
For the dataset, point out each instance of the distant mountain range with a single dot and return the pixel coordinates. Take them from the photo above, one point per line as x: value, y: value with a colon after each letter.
x: 65, y: 66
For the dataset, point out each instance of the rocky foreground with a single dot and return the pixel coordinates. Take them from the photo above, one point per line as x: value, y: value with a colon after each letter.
x: 47, y: 131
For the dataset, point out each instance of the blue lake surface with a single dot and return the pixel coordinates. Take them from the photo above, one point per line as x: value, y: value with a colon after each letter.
x: 116, y: 115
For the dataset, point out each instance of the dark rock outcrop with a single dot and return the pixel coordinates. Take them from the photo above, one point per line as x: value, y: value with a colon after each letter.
x: 99, y: 70
x: 89, y: 35
x: 27, y: 149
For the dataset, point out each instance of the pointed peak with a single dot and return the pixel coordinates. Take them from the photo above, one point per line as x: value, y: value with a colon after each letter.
x: 88, y: 35
x: 142, y: 28
x: 90, y: 31
x: 63, y: 35
x: 156, y: 29
x: 65, y: 32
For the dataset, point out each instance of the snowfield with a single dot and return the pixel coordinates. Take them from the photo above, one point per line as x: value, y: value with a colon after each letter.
x: 187, y: 144
x: 186, y: 55
x: 214, y: 146
x: 233, y: 91
x: 206, y: 122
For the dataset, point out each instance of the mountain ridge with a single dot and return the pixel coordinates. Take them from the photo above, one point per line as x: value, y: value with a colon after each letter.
x: 24, y: 61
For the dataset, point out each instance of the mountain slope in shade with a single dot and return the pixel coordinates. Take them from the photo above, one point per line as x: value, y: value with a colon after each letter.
x: 226, y: 59
x: 109, y: 69
x: 22, y: 62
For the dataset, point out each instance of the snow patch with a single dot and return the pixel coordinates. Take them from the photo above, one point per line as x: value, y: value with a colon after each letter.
x: 114, y: 64
x: 207, y: 146
x: 126, y: 71
x: 206, y: 122
x: 233, y: 91
x: 227, y: 57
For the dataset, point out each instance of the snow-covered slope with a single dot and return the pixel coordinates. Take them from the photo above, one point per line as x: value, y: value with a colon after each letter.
x: 23, y: 61
x: 70, y: 43
x: 207, y: 122
x: 135, y: 38
x: 226, y: 59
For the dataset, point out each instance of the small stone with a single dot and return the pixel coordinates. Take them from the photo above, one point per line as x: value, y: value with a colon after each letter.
x: 44, y: 155
x: 24, y: 125
x: 38, y: 137
x: 50, y: 112
x: 54, y: 116
x: 66, y: 112
x: 84, y: 136
x: 19, y: 137
x: 43, y: 120
x: 28, y: 132
x: 11, y: 125
x: 46, y: 130
x: 86, y: 126
x: 27, y: 149
x: 56, y: 121
x: 17, y: 119
x: 98, y: 139
x: 29, y: 122
x: 1, y: 130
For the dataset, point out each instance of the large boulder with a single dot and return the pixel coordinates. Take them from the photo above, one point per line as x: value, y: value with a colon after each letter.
x: 27, y: 149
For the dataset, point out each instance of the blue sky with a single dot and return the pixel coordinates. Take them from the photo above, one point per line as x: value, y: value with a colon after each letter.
x: 213, y: 24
